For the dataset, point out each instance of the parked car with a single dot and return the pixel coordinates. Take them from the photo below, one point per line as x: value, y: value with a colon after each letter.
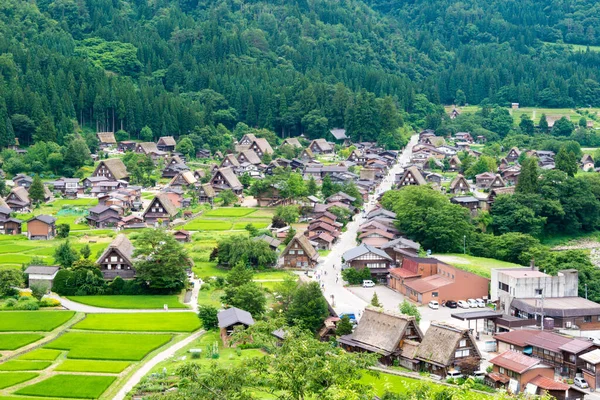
x: 479, y: 374
x: 450, y: 304
x: 368, y: 283
x: 462, y: 304
x: 351, y: 317
x: 480, y: 303
x: 454, y: 374
x: 472, y: 303
x: 434, y: 305
x: 578, y: 381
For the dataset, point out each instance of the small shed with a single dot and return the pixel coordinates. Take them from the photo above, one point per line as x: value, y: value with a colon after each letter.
x: 182, y: 236
x: 42, y: 275
x: 232, y: 317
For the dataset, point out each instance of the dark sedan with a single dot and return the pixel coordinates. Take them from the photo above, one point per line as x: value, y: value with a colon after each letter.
x: 450, y: 304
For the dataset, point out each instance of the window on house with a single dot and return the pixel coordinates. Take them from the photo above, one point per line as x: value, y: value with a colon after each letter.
x: 502, y: 370
x: 461, y: 353
x: 538, y: 292
x: 587, y: 318
x: 300, y: 251
x: 462, y: 343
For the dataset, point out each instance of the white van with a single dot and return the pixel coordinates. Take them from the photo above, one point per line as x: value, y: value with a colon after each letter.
x: 368, y: 283
x: 454, y: 374
x: 472, y: 303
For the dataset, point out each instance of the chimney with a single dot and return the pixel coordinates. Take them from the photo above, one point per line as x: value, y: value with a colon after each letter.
x: 532, y: 264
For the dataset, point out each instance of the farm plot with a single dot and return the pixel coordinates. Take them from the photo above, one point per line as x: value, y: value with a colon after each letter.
x: 15, y: 341
x: 129, y: 302
x: 40, y: 354
x: 108, y: 346
x: 230, y: 212
x: 141, y: 322
x: 8, y: 379
x: 32, y: 321
x: 24, y: 365
x: 72, y: 386
x: 109, y: 367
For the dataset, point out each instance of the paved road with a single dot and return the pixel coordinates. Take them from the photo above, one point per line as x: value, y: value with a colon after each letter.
x: 147, y: 367
x: 74, y: 306
x: 344, y: 301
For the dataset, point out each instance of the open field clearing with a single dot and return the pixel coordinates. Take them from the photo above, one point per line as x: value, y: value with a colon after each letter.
x: 108, y: 346
x: 142, y: 322
x: 24, y: 365
x: 14, y: 341
x: 129, y: 302
x: 109, y: 367
x: 8, y: 379
x: 74, y: 386
x: 230, y: 212
x: 13, y: 321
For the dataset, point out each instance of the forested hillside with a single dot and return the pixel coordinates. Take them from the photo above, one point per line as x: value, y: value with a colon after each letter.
x: 201, y: 66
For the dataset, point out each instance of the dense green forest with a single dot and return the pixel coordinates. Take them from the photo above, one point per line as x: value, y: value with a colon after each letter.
x: 200, y: 67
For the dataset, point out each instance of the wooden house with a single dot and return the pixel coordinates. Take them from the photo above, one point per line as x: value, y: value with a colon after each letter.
x: 182, y: 236
x: 41, y: 227
x: 18, y: 199
x: 499, y: 191
x: 113, y: 169
x: 126, y: 145
x: 172, y: 170
x: 23, y: 180
x: 9, y: 225
x: 513, y: 155
x: 206, y: 193
x: 106, y: 140
x: 224, y: 179
x: 322, y: 241
x: 161, y: 208
x: 166, y: 143
x: 294, y: 142
x: 320, y: 146
x: 299, y: 253
x: 444, y: 346
x: 307, y: 155
x: 411, y: 176
x: 401, y: 247
x: 184, y: 178
x: 454, y: 163
x: 518, y: 367
x: 248, y: 156
x: 587, y: 162
x: 117, y: 259
x: 393, y: 337
x: 459, y: 185
x: 469, y: 202
x: 365, y: 256
x: 102, y: 216
x: 229, y: 161
x: 147, y: 148
x: 230, y: 318
x: 261, y: 147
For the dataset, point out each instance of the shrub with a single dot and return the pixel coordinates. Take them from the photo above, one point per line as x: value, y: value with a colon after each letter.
x: 10, y: 302
x: 356, y: 277
x: 195, y: 355
x: 48, y: 302
x: 29, y: 305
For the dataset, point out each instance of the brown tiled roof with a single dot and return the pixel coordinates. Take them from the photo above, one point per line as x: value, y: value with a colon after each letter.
x: 428, y: 284
x: 548, y: 341
x: 517, y: 337
x: 548, y: 384
x: 496, y: 377
x: 576, y: 346
x: 515, y: 361
x: 403, y: 273
x: 381, y: 232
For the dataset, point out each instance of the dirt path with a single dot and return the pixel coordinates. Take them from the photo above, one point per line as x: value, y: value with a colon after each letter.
x: 147, y: 367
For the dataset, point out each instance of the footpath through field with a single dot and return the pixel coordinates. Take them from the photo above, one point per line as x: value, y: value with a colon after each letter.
x: 344, y: 301
x: 74, y: 306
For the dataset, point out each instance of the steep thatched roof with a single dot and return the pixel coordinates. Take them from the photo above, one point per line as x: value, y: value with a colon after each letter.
x: 167, y: 141
x: 21, y: 193
x: 249, y: 156
x: 232, y: 161
x: 232, y: 180
x: 458, y: 179
x: 122, y: 245
x: 116, y: 168
x: 165, y: 202
x: 303, y: 242
x: 106, y: 137
x: 294, y: 142
x: 148, y: 147
x: 263, y: 145
x: 439, y: 343
x: 208, y: 190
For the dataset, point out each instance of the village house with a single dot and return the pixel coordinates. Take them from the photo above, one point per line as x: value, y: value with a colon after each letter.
x: 23, y: 180
x: 469, y: 202
x: 271, y: 241
x: 225, y: 179
x: 261, y: 147
x: 459, y: 185
x: 463, y: 137
x: 426, y: 279
x: 513, y: 155
x: 166, y: 143
x: 112, y: 169
x: 307, y: 155
x: 147, y: 148
x: 321, y: 241
x: 489, y: 180
x: 299, y: 253
x: 269, y: 196
x: 376, y: 237
x: 499, y: 191
x: 206, y: 193
x: 41, y: 275
x: 183, y: 179
x: 294, y: 142
x: 245, y: 142
x: 160, y: 210
x: 518, y: 367
x: 230, y: 318
x: 106, y: 140
x: 229, y: 161
x: 104, y: 216
x: 172, y: 170
x: 394, y: 337
x: 411, y: 176
x: 117, y: 259
x: 92, y: 181
x: 365, y: 256
x: 591, y: 368
x: 399, y: 248
x: 41, y: 227
x: 9, y: 225
x: 18, y: 199
x: 126, y: 145
x: 182, y: 236
x: 586, y: 162
x: 132, y: 222
x: 444, y: 346
x: 320, y: 146
x: 69, y: 187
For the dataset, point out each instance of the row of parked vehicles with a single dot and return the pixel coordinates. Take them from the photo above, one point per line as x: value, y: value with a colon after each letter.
x: 469, y: 303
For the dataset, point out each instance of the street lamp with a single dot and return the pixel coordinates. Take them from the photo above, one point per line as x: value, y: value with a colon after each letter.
x: 464, y: 244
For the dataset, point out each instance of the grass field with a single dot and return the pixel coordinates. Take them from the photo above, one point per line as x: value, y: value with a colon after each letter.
x: 142, y: 322
x: 477, y: 265
x: 140, y: 302
x: 14, y: 321
x: 108, y: 346
x: 230, y: 212
x: 208, y: 225
x: 40, y: 354
x: 72, y: 386
x: 14, y: 341
x: 109, y: 367
x: 24, y: 365
x: 8, y: 379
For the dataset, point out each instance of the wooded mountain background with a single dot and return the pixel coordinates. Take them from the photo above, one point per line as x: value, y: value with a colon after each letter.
x: 200, y: 66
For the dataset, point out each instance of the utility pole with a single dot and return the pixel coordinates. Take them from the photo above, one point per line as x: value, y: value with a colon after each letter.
x: 586, y: 291
x: 464, y: 244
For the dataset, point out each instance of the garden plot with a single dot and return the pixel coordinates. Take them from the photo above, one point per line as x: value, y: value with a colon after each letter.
x: 24, y: 365
x: 108, y: 346
x: 130, y: 302
x: 108, y: 367
x: 33, y: 321
x: 40, y: 354
x: 8, y: 379
x: 72, y: 386
x: 15, y: 341
x: 141, y: 322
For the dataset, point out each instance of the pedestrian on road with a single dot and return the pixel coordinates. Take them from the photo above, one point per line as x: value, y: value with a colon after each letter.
x: 336, y: 279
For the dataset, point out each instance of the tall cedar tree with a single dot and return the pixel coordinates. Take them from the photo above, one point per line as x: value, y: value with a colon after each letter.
x: 566, y: 161
x: 36, y: 190
x: 308, y: 308
x: 162, y: 261
x: 529, y: 176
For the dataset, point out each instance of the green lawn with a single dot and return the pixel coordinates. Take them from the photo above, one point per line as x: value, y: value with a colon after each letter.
x: 477, y: 265
x: 207, y: 225
x: 203, y: 269
x: 210, y: 297
x: 8, y: 379
x: 24, y: 365
x: 108, y: 346
x: 141, y: 302
x: 72, y: 386
x: 13, y: 321
x: 109, y: 367
x: 41, y: 354
x: 229, y: 212
x: 258, y: 224
x: 141, y: 322
x: 14, y: 341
